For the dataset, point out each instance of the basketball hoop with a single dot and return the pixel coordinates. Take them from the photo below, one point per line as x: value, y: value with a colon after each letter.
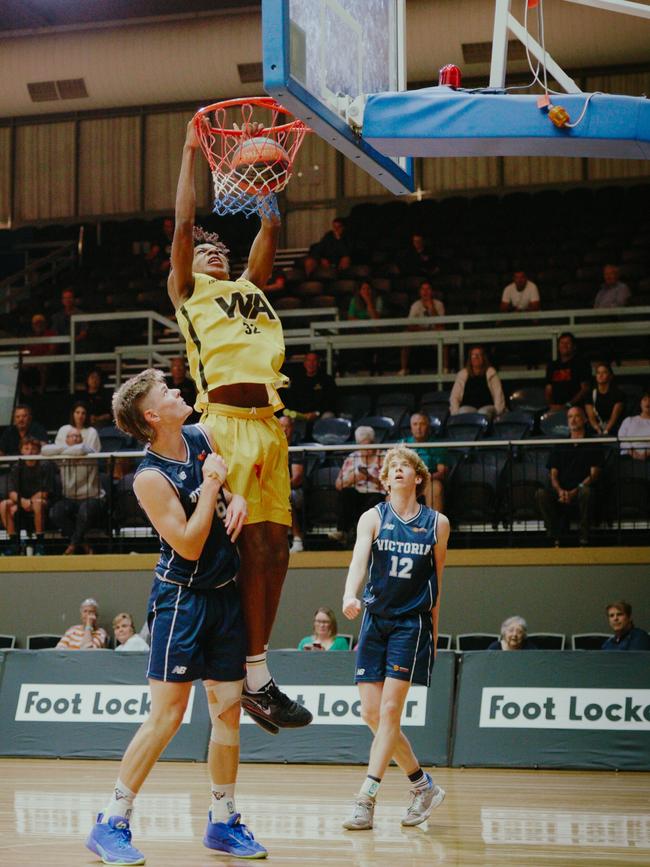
x: 248, y: 169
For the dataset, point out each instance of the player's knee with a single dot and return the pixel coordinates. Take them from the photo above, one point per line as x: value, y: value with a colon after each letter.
x: 170, y: 716
x: 370, y: 716
x: 224, y: 708
x: 391, y: 710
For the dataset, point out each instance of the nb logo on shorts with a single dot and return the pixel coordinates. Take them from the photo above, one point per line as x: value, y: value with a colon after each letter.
x: 179, y: 669
x: 361, y: 672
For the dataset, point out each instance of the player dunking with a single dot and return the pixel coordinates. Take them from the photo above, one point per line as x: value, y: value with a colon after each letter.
x: 402, y: 546
x: 235, y: 348
x: 195, y: 618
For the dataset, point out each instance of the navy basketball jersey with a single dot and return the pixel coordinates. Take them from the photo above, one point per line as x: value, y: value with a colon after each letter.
x: 219, y: 560
x: 402, y: 575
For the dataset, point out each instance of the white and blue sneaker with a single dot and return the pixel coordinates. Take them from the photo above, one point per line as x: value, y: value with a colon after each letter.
x: 234, y: 838
x: 111, y: 841
x: 423, y: 801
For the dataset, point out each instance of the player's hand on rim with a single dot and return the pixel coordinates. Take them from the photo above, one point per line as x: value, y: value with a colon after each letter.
x: 351, y: 607
x: 250, y: 129
x: 236, y: 514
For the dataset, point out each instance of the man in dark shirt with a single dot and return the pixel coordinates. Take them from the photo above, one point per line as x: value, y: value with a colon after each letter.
x: 30, y: 483
x: 312, y: 392
x: 97, y: 399
x: 179, y: 379
x: 61, y: 319
x: 418, y: 260
x: 23, y: 427
x: 334, y: 248
x: 574, y: 470
x: 568, y: 378
x: 626, y: 635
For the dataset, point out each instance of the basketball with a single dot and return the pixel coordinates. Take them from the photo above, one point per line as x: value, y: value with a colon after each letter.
x: 260, y: 165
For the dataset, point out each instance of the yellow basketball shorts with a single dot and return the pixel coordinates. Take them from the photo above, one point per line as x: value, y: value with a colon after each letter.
x: 253, y: 444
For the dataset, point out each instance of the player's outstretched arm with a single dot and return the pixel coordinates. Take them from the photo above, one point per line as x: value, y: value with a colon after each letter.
x: 164, y: 510
x: 367, y: 530
x: 262, y: 254
x: 180, y: 282
x: 440, y: 556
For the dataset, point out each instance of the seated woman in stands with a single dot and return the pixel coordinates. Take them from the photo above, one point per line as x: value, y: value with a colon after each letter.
x: 79, y: 422
x: 477, y: 387
x: 606, y: 403
x: 637, y: 425
x: 325, y: 635
x: 514, y: 636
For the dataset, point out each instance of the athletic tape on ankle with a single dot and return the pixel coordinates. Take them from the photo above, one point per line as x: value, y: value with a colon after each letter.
x: 221, y: 698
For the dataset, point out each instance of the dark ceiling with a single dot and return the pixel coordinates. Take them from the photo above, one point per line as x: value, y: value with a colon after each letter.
x: 38, y: 14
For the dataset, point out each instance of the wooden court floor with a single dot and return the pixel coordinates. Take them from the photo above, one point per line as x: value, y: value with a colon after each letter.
x: 490, y: 817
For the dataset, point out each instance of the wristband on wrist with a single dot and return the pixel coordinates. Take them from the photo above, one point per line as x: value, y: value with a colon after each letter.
x: 215, y: 477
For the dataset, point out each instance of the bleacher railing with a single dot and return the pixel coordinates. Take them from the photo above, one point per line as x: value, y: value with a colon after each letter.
x: 493, y: 502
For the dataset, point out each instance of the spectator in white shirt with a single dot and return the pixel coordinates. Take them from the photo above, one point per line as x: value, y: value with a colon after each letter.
x: 426, y: 306
x: 637, y: 425
x: 522, y: 294
x: 125, y: 634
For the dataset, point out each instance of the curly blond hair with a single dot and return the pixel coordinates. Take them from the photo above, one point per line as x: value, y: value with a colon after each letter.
x: 412, y: 458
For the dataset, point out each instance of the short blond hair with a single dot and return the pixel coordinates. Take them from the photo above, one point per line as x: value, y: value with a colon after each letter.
x: 127, y: 404
x: 124, y: 615
x: 412, y: 458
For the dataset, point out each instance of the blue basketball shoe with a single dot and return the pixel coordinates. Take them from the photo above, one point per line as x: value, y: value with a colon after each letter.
x: 112, y: 842
x: 232, y: 837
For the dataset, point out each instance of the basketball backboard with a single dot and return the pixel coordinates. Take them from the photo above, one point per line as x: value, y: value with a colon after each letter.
x: 323, y: 57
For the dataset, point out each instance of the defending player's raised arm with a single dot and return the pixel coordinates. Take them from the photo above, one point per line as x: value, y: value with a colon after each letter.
x: 180, y: 281
x: 367, y: 530
x: 164, y: 509
x: 439, y: 556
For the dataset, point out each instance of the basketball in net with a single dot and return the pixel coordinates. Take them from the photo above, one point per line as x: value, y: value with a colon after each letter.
x: 250, y: 145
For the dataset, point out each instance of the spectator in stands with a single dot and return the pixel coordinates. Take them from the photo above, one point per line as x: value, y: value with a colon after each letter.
x: 82, y: 504
x: 418, y: 259
x: 522, y: 294
x: 325, y: 635
x: 309, y: 266
x: 159, y: 256
x: 365, y: 304
x: 477, y: 387
x: 179, y: 379
x: 97, y: 399
x: 606, y: 403
x: 358, y: 484
x: 126, y: 638
x: 28, y: 489
x: 296, y: 479
x: 79, y: 421
x: 434, y: 459
x: 568, y: 378
x: 612, y: 292
x: 40, y: 350
x: 514, y: 636
x: 334, y: 248
x: 626, y: 635
x: 428, y: 306
x: 85, y: 635
x: 277, y: 283
x: 637, y: 425
x: 574, y: 472
x: 23, y: 427
x: 61, y: 319
x: 312, y: 392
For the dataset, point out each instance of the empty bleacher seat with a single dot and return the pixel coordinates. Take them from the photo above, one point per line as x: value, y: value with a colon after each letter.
x: 589, y: 640
x: 548, y: 640
x: 382, y: 426
x: 332, y: 431
x: 555, y: 424
x: 467, y: 426
x: 475, y: 641
x: 7, y: 642
x: 42, y: 641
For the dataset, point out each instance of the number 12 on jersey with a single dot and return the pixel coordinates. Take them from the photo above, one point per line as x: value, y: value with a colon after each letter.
x: 400, y: 567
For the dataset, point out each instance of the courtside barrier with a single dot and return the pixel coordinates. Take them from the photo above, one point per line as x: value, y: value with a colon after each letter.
x: 70, y: 704
x: 552, y: 709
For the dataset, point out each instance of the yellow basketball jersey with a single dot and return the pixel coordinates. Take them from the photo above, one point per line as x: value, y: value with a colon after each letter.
x: 232, y: 335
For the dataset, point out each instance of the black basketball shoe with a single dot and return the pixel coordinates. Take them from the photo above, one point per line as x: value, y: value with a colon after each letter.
x: 270, y: 705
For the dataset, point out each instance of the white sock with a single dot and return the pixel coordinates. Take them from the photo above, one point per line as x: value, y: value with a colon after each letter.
x: 222, y: 806
x: 121, y: 802
x: 257, y: 672
x: 370, y: 787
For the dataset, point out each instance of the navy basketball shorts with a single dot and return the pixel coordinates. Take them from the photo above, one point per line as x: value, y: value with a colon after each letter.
x: 196, y: 634
x: 401, y: 648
